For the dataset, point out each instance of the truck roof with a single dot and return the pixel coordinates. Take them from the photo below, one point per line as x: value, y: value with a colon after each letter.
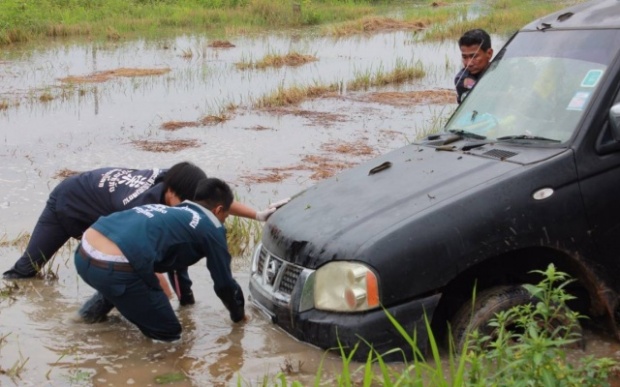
x: 597, y: 14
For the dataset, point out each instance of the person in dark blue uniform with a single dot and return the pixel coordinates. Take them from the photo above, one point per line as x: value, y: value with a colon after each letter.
x: 120, y: 254
x: 476, y: 54
x: 80, y: 200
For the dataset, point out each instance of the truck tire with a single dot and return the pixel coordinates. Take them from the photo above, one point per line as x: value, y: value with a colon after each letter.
x: 490, y: 302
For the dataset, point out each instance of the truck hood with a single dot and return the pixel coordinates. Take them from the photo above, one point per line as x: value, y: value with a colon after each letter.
x: 336, y: 218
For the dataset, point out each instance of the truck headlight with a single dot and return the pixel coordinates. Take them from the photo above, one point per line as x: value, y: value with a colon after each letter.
x: 345, y: 287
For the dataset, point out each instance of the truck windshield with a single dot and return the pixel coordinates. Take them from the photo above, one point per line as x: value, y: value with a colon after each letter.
x: 538, y: 86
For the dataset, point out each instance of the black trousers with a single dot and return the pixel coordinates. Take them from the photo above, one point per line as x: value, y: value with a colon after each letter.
x: 47, y: 238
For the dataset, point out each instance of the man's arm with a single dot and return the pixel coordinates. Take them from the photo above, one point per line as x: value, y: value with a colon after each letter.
x: 218, y: 263
x: 240, y: 209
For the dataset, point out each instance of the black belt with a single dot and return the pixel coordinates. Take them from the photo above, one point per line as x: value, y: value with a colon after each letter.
x: 119, y: 266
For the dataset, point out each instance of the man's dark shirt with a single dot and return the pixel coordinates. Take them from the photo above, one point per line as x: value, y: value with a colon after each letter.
x: 81, y: 199
x: 465, y: 82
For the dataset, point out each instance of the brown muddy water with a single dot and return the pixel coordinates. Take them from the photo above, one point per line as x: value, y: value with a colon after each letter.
x: 181, y: 110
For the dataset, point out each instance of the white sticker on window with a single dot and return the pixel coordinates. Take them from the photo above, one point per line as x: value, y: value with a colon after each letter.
x: 579, y: 100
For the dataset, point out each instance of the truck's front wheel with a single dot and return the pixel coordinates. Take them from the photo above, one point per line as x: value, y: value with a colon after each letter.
x: 491, y: 301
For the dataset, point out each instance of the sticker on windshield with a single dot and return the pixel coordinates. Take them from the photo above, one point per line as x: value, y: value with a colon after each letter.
x: 578, y: 102
x: 591, y: 78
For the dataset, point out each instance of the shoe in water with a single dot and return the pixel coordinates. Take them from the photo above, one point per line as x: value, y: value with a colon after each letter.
x: 13, y: 275
x: 96, y: 309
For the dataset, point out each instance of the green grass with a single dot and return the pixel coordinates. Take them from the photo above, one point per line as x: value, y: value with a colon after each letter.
x: 292, y: 59
x: 401, y: 73
x: 533, y: 354
x: 501, y: 17
x: 242, y: 235
x: 22, y: 21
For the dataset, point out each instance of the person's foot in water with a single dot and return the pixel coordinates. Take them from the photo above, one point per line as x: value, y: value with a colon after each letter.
x: 13, y: 274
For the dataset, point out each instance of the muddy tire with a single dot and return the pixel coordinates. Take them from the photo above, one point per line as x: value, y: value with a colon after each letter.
x: 488, y: 303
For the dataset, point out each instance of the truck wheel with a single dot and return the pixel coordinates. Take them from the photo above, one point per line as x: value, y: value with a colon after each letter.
x: 488, y: 303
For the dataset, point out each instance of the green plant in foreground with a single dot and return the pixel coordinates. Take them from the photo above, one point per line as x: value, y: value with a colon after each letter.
x: 533, y: 351
x: 528, y: 348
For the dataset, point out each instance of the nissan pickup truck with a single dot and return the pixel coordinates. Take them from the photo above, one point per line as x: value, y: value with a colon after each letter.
x: 525, y: 173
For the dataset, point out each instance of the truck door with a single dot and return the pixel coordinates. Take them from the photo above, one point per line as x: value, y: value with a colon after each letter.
x: 598, y: 166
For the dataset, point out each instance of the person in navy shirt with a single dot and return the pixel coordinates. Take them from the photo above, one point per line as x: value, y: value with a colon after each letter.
x: 476, y: 54
x: 78, y: 201
x: 120, y: 254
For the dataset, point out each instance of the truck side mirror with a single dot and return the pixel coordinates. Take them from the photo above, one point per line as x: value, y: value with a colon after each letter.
x: 614, y: 120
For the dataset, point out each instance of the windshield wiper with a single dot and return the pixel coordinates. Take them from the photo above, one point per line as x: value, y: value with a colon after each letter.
x: 467, y: 134
x: 527, y: 137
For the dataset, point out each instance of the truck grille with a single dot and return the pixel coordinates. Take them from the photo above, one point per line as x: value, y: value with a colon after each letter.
x: 277, y: 273
x: 289, y: 279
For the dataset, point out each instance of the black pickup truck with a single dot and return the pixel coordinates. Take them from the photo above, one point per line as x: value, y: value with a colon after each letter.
x: 525, y: 173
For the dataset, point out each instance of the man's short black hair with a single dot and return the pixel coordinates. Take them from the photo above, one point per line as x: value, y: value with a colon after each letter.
x: 476, y: 37
x: 183, y: 178
x: 212, y: 192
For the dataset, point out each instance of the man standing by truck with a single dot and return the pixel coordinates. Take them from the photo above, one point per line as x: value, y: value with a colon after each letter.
x: 476, y: 54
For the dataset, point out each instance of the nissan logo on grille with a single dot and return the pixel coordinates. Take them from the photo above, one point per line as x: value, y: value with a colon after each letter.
x: 273, y: 267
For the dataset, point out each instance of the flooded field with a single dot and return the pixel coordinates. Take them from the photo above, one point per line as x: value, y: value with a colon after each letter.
x: 74, y: 106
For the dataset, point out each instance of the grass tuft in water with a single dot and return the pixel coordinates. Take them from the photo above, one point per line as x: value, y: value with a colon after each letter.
x: 292, y: 59
x: 294, y: 95
x: 242, y: 235
x: 402, y: 73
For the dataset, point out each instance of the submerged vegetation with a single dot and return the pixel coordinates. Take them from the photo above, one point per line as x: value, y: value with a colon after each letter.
x: 294, y: 95
x: 274, y: 60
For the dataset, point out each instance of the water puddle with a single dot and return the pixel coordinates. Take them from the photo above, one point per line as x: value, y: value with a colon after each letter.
x: 74, y: 106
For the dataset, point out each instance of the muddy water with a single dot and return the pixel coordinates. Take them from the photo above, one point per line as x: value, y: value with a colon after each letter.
x: 47, y: 126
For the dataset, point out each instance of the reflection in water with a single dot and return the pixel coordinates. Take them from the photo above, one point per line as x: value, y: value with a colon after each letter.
x: 229, y: 357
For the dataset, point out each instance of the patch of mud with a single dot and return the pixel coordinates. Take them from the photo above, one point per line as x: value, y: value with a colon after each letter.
x: 221, y: 44
x: 409, y: 98
x: 324, y: 119
x: 275, y: 175
x: 358, y: 148
x: 103, y: 76
x: 214, y: 120
x: 209, y: 120
x: 259, y: 128
x: 320, y: 166
x: 176, y: 125
x: 390, y: 135
x: 165, y: 146
x: 373, y: 24
x: 64, y: 173
x: 323, y: 167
